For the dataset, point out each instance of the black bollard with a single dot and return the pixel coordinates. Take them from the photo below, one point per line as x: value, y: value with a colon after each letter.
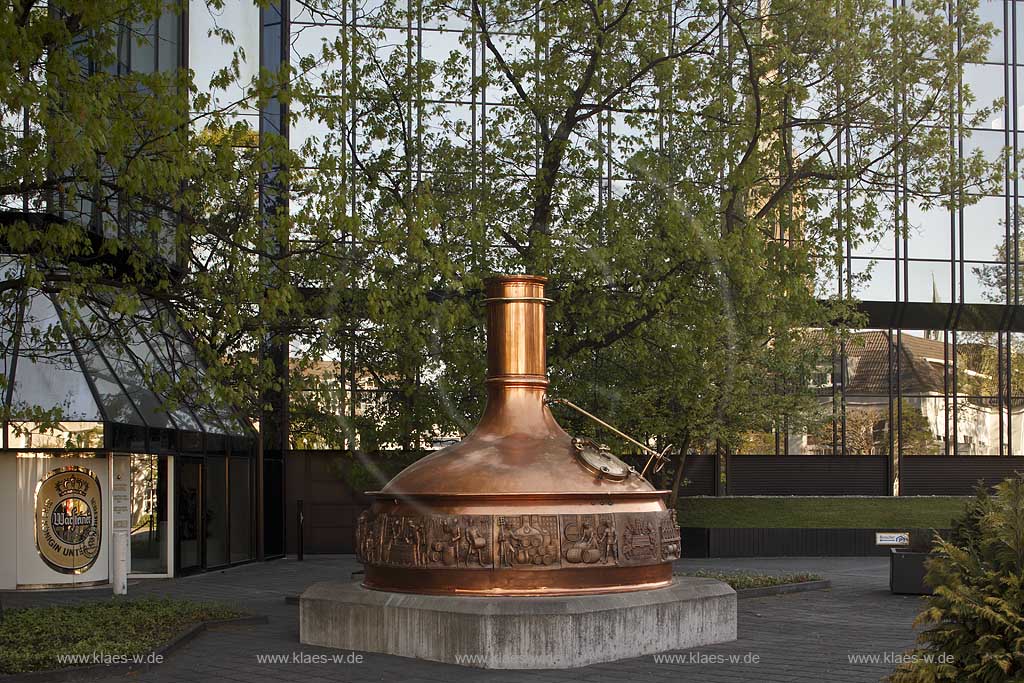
x: 300, y: 519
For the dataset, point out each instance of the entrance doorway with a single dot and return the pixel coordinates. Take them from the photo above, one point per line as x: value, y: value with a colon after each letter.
x: 149, y: 519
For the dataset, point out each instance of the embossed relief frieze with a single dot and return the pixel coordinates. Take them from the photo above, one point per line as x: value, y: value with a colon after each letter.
x: 437, y: 541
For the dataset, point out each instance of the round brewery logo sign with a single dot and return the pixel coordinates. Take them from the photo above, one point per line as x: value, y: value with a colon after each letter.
x: 68, y: 519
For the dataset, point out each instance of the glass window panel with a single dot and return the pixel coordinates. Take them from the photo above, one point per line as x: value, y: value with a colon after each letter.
x: 990, y: 143
x: 977, y: 363
x: 176, y: 352
x: 172, y: 346
x: 207, y: 54
x: 986, y: 83
x: 188, y: 483
x: 977, y: 425
x: 991, y: 11
x: 439, y: 47
x: 1019, y: 31
x: 120, y: 358
x: 144, y: 355
x: 116, y: 404
x: 879, y: 245
x: 48, y: 374
x: 984, y: 283
x: 306, y: 126
x: 216, y: 496
x: 239, y: 491
x: 922, y: 361
x: 167, y: 42
x: 1015, y: 428
x: 149, y: 404
x: 1016, y: 372
x: 866, y: 425
x: 10, y: 303
x: 874, y: 279
x: 826, y: 279
x: 928, y: 281
x: 984, y: 229
x: 143, y: 47
x: 867, y: 364
x: 929, y: 234
x: 921, y: 424
x: 454, y: 15
x: 69, y: 434
x: 872, y: 215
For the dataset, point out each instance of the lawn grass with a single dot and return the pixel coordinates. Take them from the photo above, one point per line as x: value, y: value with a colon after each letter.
x: 742, y: 580
x: 790, y: 512
x: 31, y: 639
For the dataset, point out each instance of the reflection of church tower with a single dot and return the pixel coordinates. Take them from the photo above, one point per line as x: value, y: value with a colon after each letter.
x: 934, y: 335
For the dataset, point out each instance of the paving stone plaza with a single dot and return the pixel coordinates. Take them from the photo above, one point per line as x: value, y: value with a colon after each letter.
x: 851, y: 632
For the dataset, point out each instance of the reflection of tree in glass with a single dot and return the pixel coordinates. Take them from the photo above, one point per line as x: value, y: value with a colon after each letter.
x: 867, y: 431
x: 998, y: 278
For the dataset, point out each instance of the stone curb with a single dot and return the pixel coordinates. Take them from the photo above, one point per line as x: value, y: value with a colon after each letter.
x: 784, y: 588
x: 76, y: 673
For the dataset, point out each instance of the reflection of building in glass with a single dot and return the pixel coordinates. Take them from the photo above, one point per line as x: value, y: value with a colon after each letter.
x: 906, y: 380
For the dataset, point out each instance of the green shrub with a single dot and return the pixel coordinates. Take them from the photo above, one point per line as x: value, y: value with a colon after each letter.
x: 36, y: 638
x: 975, y: 619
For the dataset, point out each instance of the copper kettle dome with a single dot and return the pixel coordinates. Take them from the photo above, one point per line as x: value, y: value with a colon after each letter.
x: 518, y: 507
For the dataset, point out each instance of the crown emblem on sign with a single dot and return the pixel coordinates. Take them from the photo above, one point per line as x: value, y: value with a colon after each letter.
x: 72, y: 485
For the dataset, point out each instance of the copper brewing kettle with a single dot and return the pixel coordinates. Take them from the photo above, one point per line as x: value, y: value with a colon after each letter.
x: 518, y: 507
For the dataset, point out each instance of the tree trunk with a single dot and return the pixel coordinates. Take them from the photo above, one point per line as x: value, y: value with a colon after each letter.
x: 677, y: 480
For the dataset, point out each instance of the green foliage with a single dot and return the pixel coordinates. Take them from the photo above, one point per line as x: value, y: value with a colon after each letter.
x: 32, y: 639
x: 743, y: 580
x: 976, y: 616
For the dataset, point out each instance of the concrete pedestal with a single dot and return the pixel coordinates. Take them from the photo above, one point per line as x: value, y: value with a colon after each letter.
x: 518, y: 632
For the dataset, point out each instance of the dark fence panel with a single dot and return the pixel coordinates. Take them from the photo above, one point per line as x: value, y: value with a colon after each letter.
x: 330, y: 505
x: 937, y: 475
x: 700, y: 471
x: 786, y: 542
x: 806, y: 475
x: 793, y: 543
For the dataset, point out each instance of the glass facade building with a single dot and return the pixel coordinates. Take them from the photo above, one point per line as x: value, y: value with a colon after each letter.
x: 938, y: 368
x: 939, y: 371
x: 137, y: 446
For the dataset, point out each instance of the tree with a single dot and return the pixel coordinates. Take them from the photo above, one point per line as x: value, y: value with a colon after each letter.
x: 972, y: 622
x: 683, y: 172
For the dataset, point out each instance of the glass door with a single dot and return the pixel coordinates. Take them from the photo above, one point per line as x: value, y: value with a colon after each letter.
x: 149, y: 522
x: 189, y: 514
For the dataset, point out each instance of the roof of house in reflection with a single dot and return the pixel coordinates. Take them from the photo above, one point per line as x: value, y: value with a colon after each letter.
x: 874, y: 356
x: 98, y: 365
